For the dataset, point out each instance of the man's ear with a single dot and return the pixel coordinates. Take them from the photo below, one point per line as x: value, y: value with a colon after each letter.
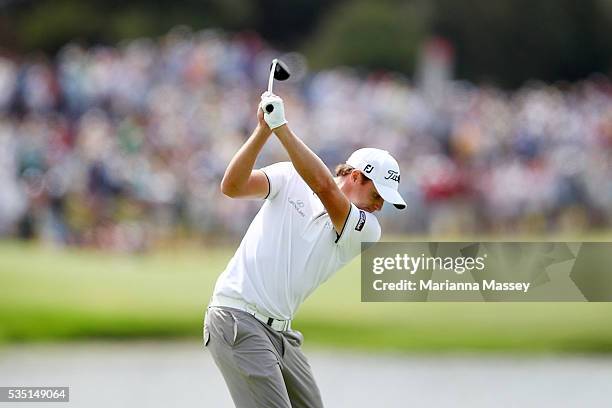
x: 358, y: 177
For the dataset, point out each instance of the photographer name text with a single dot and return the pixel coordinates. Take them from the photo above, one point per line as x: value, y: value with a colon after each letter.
x: 430, y: 285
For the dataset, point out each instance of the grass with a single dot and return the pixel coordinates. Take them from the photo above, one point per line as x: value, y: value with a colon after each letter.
x: 49, y: 294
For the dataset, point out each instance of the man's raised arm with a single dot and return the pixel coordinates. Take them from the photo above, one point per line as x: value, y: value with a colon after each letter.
x: 240, y: 180
x: 309, y: 166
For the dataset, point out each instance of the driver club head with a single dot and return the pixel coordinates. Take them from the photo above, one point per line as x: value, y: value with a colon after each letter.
x: 281, y: 73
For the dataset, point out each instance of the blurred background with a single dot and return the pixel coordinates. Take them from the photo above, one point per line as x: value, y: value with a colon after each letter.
x: 117, y: 120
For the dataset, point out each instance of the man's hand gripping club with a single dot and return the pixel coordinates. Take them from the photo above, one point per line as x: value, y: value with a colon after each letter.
x: 276, y: 118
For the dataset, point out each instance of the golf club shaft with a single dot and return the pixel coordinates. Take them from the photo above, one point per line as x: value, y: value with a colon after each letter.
x: 271, y: 79
x: 269, y: 107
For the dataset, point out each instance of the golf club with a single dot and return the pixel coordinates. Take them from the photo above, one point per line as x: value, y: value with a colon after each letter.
x: 280, y: 72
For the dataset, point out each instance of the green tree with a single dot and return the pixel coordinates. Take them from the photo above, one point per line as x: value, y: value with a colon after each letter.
x: 373, y: 35
x: 511, y: 41
x: 49, y: 24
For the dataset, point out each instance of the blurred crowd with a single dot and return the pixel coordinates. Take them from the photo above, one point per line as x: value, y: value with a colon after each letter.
x: 121, y: 147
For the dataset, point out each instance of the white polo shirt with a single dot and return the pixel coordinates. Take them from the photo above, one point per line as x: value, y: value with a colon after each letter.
x: 291, y: 247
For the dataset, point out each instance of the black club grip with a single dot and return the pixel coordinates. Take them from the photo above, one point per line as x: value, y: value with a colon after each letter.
x: 269, y: 108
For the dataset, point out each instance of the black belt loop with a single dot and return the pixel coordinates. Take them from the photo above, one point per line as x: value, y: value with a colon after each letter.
x: 270, y: 321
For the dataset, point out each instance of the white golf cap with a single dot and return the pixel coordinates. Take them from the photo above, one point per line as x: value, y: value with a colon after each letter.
x: 380, y: 167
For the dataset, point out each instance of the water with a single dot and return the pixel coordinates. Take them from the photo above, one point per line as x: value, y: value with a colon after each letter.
x: 182, y: 374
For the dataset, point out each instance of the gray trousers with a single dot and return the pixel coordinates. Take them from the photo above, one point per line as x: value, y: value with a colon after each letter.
x: 262, y: 368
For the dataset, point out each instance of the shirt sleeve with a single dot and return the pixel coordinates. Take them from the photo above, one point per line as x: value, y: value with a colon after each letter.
x: 360, y: 226
x: 277, y: 174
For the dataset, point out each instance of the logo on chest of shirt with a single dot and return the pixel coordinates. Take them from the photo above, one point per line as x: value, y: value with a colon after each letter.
x: 298, y: 205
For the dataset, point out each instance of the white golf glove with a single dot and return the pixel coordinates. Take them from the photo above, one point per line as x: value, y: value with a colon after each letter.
x: 275, y: 118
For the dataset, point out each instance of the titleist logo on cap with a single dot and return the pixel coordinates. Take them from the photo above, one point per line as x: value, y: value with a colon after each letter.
x: 393, y: 175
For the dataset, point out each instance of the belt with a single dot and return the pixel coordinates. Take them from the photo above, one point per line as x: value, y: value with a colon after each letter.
x: 276, y: 324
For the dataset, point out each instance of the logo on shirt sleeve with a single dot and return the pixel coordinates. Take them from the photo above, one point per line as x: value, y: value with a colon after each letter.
x: 361, y: 222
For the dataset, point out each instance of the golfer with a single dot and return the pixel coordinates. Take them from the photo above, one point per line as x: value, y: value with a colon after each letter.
x: 309, y: 226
